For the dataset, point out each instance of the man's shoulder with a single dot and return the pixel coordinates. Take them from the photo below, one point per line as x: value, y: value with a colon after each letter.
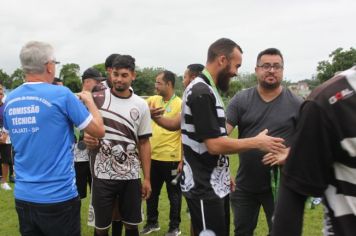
x: 199, y: 87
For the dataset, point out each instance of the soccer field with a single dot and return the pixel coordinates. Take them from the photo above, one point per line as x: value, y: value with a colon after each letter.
x: 9, y: 222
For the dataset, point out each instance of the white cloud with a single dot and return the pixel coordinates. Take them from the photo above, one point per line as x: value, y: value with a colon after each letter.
x: 172, y: 34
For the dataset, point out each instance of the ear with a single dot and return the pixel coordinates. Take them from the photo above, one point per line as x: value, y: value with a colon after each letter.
x: 48, y: 69
x: 222, y: 60
x: 133, y: 75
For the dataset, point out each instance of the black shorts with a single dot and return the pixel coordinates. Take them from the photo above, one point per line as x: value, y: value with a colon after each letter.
x: 82, y: 177
x: 105, y: 192
x: 6, y: 154
x: 214, y: 215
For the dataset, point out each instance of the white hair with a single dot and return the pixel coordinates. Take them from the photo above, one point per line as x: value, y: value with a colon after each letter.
x: 34, y: 55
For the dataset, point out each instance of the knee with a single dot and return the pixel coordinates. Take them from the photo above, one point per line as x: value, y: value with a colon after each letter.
x: 102, y: 232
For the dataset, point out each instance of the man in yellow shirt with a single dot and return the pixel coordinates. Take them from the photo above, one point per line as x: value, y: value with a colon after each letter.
x: 166, y: 156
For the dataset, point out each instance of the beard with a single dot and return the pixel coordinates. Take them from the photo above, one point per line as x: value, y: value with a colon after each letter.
x: 270, y: 86
x: 223, y: 79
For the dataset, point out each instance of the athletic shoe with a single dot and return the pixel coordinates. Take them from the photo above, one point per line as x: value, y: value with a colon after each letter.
x: 173, y: 232
x: 149, y: 228
x: 5, y: 186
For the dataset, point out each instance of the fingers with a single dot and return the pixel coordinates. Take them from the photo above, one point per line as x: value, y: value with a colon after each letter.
x: 146, y: 190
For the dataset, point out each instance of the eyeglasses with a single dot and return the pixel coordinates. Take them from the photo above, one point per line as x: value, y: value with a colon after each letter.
x: 268, y: 67
x: 52, y: 61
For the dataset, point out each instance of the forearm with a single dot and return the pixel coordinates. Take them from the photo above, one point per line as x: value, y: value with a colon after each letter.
x: 96, y: 126
x: 145, y: 157
x: 226, y: 145
x: 171, y: 124
x: 288, y: 215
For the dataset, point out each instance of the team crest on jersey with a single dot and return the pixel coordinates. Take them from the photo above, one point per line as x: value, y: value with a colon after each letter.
x: 341, y: 95
x: 187, y: 181
x: 134, y: 114
x: 220, y: 177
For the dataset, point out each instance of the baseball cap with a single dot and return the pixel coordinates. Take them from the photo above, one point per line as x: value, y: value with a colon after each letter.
x: 92, y: 73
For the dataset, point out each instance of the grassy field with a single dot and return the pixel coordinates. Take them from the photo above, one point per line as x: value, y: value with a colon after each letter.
x: 9, y: 222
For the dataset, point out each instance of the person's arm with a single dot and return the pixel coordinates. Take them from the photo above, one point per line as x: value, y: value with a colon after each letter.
x: 288, y: 215
x: 171, y: 124
x: 226, y: 145
x: 3, y: 137
x: 96, y: 126
x: 144, y: 149
x: 229, y: 128
x: 277, y: 158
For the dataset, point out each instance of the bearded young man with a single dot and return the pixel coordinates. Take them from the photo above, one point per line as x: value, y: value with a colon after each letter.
x: 206, y: 176
x: 266, y: 106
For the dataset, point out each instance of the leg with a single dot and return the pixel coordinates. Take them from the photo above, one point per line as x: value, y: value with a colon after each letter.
x: 103, y: 197
x: 174, y: 195
x: 5, y: 151
x: 156, y: 185
x: 59, y: 219
x: 268, y: 207
x: 246, y: 210
x: 214, y: 215
x: 26, y: 223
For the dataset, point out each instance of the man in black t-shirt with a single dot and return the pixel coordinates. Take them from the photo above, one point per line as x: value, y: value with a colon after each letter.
x: 265, y: 106
x: 322, y: 160
x: 206, y: 176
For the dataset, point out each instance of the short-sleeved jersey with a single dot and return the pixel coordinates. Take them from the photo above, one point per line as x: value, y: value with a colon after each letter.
x: 205, y: 176
x: 166, y: 145
x: 323, y: 159
x: 251, y: 114
x: 39, y: 118
x: 126, y: 120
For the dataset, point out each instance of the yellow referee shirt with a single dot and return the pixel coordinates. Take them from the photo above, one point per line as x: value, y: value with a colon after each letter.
x: 166, y: 145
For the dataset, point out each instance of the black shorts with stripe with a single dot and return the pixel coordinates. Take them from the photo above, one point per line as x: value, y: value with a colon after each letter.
x: 127, y: 192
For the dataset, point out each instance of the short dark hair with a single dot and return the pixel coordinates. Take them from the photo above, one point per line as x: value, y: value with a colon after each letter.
x: 109, y: 60
x: 124, y: 62
x: 223, y: 46
x: 195, y: 69
x: 269, y: 51
x: 169, y: 76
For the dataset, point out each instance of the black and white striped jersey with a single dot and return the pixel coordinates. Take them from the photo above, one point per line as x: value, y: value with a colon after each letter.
x: 205, y: 176
x: 323, y: 158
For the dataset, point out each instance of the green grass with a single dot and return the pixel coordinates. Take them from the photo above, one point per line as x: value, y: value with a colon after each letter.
x: 9, y: 222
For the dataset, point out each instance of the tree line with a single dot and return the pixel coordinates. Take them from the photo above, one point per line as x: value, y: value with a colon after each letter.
x: 338, y: 60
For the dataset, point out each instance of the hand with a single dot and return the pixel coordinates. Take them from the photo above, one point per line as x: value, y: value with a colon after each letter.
x: 146, y: 189
x: 232, y: 184
x: 91, y: 142
x: 268, y: 143
x: 278, y: 158
x: 156, y: 112
x: 86, y: 97
x: 180, y: 166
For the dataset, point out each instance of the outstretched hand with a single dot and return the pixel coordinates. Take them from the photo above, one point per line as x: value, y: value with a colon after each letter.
x: 278, y: 158
x: 268, y: 143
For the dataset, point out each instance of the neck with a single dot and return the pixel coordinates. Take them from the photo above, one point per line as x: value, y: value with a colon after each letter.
x: 213, y: 70
x: 38, y: 78
x: 124, y: 94
x: 168, y: 95
x: 269, y: 94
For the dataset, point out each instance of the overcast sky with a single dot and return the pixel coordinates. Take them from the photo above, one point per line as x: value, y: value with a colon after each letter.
x: 175, y: 33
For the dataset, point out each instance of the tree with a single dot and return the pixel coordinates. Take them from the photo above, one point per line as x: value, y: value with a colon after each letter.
x: 17, y: 78
x: 339, y: 60
x: 70, y: 76
x: 144, y: 85
x: 5, y: 79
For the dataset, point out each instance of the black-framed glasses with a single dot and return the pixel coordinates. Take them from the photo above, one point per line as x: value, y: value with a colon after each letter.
x: 52, y: 61
x: 268, y: 67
